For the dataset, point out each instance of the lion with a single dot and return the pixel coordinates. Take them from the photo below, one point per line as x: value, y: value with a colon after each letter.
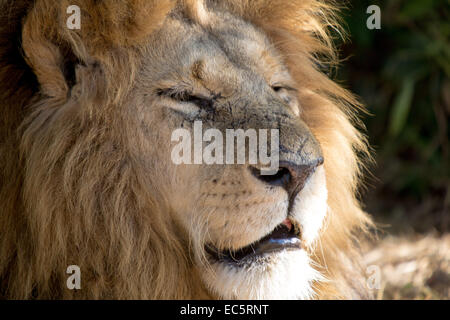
x: 86, y: 174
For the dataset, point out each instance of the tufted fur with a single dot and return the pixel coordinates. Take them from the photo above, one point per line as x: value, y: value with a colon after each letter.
x: 71, y: 188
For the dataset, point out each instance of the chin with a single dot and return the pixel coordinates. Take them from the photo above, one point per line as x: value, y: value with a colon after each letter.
x: 286, y: 274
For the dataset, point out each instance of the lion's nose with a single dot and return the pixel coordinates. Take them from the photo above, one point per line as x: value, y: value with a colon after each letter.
x: 290, y: 175
x: 299, y: 155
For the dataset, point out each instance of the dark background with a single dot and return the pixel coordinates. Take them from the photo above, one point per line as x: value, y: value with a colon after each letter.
x: 401, y: 74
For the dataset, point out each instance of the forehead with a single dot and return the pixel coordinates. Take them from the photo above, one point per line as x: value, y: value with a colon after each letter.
x: 226, y: 42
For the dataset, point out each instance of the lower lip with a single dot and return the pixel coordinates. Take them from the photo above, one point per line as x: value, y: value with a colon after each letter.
x: 267, y: 247
x: 272, y: 245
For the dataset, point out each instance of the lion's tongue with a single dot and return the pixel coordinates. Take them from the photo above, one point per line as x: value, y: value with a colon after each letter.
x: 288, y: 224
x: 280, y: 232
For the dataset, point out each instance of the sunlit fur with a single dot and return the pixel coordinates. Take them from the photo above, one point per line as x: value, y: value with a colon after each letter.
x: 73, y: 190
x: 286, y: 275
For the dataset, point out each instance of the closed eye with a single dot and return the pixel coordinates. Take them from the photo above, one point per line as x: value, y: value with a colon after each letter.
x: 185, y: 97
x: 279, y: 87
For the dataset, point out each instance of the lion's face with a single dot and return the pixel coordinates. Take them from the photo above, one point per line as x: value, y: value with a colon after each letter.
x: 248, y: 233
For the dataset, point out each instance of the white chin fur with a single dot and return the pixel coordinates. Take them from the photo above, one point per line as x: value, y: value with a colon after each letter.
x: 283, y: 275
x: 310, y: 206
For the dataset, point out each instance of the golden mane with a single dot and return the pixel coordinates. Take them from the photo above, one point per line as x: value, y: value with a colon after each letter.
x: 80, y: 201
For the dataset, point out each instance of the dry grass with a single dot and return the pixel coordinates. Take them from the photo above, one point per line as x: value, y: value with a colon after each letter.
x: 412, y: 267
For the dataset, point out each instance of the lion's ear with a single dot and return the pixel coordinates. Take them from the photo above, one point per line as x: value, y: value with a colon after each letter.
x: 53, y: 50
x: 44, y: 57
x: 52, y: 57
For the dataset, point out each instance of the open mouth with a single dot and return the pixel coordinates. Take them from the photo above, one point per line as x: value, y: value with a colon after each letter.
x: 285, y: 236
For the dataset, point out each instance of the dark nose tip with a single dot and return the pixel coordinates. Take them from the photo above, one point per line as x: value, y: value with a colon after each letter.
x: 291, y: 176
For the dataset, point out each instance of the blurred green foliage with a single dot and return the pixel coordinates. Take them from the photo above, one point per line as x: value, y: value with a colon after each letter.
x: 401, y: 73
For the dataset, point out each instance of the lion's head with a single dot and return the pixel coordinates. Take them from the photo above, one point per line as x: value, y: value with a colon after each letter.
x: 87, y: 170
